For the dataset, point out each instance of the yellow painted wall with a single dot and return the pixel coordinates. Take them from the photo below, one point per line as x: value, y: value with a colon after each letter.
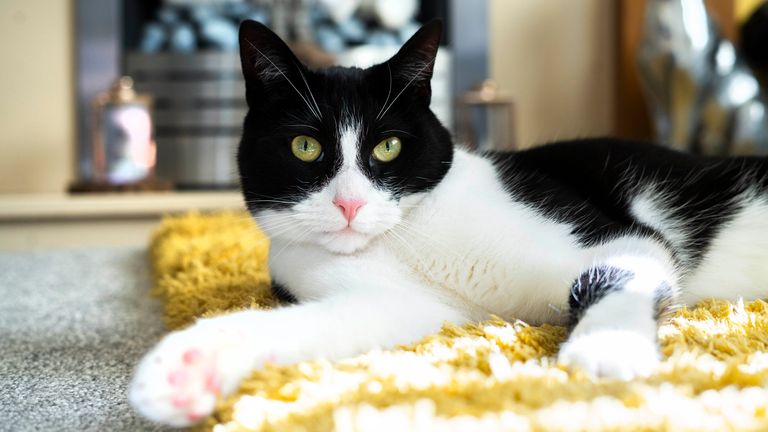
x: 36, y: 95
x: 556, y: 59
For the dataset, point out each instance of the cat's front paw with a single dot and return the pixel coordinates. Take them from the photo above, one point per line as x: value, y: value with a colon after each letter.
x: 178, y: 382
x: 618, y: 354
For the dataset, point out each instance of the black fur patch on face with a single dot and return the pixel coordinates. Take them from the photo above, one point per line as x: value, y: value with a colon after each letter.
x: 286, y: 99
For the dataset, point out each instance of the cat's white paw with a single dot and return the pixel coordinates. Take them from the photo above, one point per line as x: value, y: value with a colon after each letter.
x: 178, y: 382
x: 619, y: 354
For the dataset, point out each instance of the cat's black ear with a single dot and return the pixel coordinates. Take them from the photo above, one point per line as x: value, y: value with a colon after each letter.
x: 265, y: 58
x: 415, y: 61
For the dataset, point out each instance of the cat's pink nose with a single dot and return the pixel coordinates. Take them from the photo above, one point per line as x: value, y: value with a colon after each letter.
x: 349, y: 206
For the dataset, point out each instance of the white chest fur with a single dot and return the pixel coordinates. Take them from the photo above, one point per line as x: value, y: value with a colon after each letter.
x: 468, y: 236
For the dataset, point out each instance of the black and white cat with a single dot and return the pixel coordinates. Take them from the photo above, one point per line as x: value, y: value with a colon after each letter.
x: 382, y: 230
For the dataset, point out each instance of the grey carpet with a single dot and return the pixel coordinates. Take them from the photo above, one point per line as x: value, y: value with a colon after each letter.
x: 72, y: 326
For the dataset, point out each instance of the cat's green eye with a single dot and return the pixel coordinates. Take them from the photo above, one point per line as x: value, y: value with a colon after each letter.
x: 306, y: 148
x: 388, y: 149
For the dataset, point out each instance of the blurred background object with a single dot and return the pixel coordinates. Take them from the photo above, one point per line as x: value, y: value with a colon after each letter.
x: 632, y: 110
x: 702, y: 95
x: 122, y: 142
x: 184, y: 53
x: 754, y: 34
x: 485, y: 118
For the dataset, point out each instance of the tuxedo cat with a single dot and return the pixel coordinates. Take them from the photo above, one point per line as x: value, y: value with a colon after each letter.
x: 382, y: 230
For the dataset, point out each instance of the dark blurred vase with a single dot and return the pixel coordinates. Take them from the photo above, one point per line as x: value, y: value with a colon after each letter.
x: 754, y: 42
x: 702, y: 96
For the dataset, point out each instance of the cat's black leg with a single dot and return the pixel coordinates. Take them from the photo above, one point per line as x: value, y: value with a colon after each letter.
x: 600, y: 281
x: 282, y: 293
x: 615, y: 307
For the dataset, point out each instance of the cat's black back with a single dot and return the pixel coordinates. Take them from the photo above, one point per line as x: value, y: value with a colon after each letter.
x: 591, y: 183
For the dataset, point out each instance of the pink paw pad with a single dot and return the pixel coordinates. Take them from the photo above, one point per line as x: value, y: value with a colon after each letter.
x: 191, y: 356
x: 178, y: 377
x: 181, y: 401
x: 211, y: 382
x: 194, y: 417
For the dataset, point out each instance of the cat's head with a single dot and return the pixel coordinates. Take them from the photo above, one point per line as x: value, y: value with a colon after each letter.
x: 336, y: 156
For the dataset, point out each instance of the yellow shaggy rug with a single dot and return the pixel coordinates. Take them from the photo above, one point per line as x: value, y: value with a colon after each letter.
x: 490, y: 376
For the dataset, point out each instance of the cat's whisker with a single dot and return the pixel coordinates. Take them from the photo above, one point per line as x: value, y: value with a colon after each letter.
x: 389, y: 92
x: 426, y: 65
x: 428, y: 240
x: 306, y: 84
x: 278, y: 218
x: 316, y: 114
x: 263, y: 201
x: 275, y: 230
x: 302, y: 126
x: 303, y: 235
x: 258, y: 196
x: 272, y: 201
x: 293, y: 120
x: 398, y: 131
x: 415, y: 253
x: 277, y: 223
x: 278, y: 234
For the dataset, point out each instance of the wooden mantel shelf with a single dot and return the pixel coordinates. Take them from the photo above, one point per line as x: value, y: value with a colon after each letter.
x: 31, y: 207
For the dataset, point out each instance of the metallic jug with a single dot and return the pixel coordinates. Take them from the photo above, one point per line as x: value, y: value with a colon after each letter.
x: 702, y: 96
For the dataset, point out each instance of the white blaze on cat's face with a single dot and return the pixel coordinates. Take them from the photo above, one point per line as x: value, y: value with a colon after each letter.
x: 347, y: 213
